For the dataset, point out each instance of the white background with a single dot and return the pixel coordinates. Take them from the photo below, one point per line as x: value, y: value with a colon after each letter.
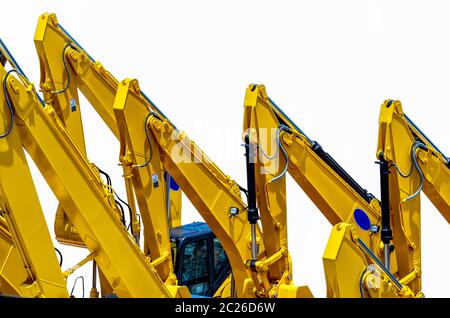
x: 328, y: 64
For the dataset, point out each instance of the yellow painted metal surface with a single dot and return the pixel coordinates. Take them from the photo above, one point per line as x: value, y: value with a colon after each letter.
x: 210, y: 191
x: 147, y: 180
x: 332, y: 194
x: 86, y: 200
x: 395, y: 140
x: 213, y: 193
x: 13, y: 271
x: 24, y: 216
x: 261, y: 126
x: 99, y: 87
x: 343, y: 263
x: 151, y: 145
x: 397, y: 137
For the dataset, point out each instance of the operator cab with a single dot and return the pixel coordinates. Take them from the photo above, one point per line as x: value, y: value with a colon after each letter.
x: 199, y: 259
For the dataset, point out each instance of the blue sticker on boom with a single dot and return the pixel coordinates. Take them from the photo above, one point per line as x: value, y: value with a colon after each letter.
x: 362, y: 219
x: 172, y: 183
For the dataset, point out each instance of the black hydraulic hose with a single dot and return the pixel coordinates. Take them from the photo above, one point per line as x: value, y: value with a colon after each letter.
x: 60, y: 256
x: 109, y: 183
x: 66, y: 69
x: 2, y: 59
x: 147, y: 135
x: 130, y: 213
x: 8, y: 102
x: 245, y: 192
x: 122, y: 212
x: 108, y: 178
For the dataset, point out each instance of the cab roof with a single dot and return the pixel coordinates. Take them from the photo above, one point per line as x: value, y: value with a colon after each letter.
x: 189, y: 230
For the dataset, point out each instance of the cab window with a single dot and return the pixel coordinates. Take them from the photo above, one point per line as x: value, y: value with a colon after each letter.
x: 195, y: 273
x: 220, y: 258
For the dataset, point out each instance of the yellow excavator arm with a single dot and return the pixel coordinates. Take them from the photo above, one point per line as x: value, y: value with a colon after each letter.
x: 78, y: 187
x: 415, y: 164
x: 29, y: 264
x: 66, y: 68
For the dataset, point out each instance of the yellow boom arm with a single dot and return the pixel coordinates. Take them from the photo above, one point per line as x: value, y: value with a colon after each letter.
x: 65, y: 68
x: 20, y: 207
x: 87, y: 201
x: 29, y: 266
x: 416, y: 164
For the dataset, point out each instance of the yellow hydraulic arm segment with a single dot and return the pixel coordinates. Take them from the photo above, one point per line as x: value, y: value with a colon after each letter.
x: 147, y: 134
x: 25, y: 240
x: 415, y: 164
x: 18, y: 275
x: 78, y: 187
x: 13, y: 271
x: 20, y: 207
x: 65, y: 68
x: 283, y: 147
